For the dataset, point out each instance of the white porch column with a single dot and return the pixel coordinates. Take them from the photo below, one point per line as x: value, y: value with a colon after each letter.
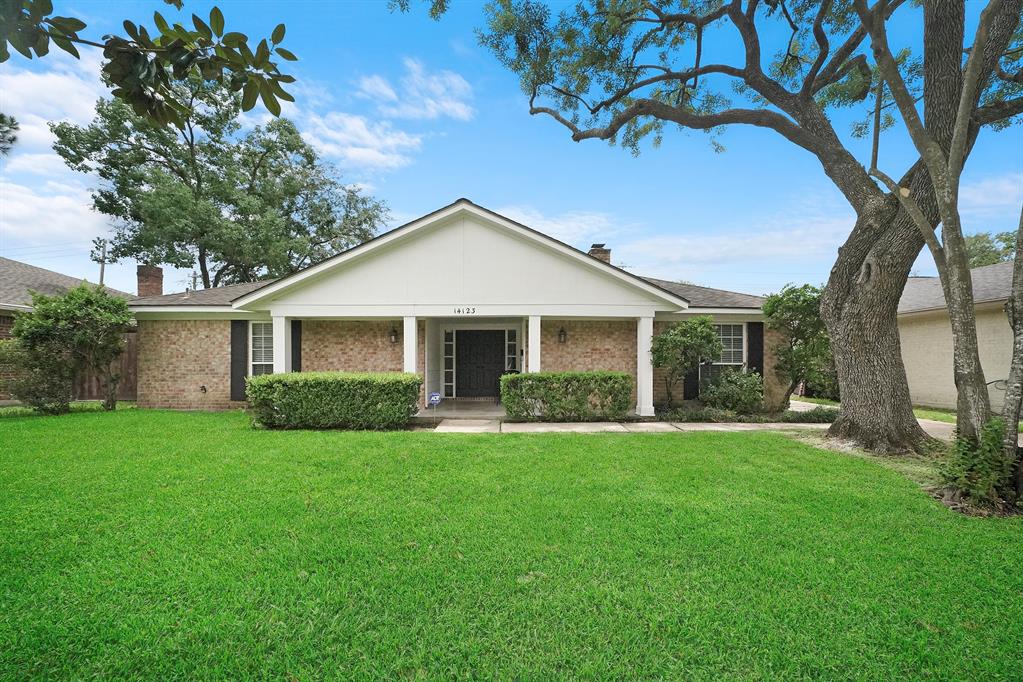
x: 282, y: 344
x: 533, y: 364
x: 644, y: 367
x: 409, y: 340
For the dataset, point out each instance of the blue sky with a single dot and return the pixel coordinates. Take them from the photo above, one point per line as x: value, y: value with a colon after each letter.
x: 420, y: 114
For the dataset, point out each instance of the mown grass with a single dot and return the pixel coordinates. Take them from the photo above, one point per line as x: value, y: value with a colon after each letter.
x: 163, y: 545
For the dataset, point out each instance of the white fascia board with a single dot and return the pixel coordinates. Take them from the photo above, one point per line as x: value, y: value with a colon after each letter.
x: 460, y: 206
x: 482, y: 311
x: 15, y: 307
x: 718, y: 311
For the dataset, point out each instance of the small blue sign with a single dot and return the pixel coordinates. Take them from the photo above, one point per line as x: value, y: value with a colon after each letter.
x: 435, y: 398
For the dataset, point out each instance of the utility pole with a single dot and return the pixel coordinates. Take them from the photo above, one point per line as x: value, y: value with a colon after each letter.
x: 102, y: 260
x: 195, y: 279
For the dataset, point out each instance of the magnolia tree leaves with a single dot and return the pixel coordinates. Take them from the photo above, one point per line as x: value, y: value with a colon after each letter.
x: 142, y: 67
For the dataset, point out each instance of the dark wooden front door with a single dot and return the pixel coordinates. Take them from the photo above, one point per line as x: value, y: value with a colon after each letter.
x: 479, y: 362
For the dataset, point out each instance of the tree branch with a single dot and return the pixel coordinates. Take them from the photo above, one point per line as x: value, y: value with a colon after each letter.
x: 823, y: 47
x: 998, y: 111
x: 972, y: 79
x: 762, y: 118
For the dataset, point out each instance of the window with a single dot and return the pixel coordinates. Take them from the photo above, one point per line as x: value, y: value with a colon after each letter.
x: 511, y: 353
x: 449, y: 363
x: 261, y: 348
x: 731, y: 344
x: 733, y: 352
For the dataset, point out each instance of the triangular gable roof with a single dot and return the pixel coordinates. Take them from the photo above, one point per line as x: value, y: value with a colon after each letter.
x: 451, y: 210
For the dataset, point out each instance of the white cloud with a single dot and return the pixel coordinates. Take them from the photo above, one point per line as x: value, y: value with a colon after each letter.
x: 991, y: 197
x: 796, y: 245
x: 66, y: 91
x: 420, y: 94
x: 48, y: 213
x: 578, y: 228
x: 359, y: 142
x: 376, y: 87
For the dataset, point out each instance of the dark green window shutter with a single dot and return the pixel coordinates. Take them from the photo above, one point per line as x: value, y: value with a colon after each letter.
x: 691, y: 385
x: 239, y: 357
x: 296, y: 345
x: 755, y: 347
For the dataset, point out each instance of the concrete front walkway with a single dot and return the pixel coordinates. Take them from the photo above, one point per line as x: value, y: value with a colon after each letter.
x: 497, y: 426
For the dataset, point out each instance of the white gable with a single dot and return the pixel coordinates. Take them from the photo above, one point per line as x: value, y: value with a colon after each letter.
x: 464, y: 258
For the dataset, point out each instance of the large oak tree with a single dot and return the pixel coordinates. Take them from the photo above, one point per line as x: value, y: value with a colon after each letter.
x: 624, y: 70
x: 237, y: 205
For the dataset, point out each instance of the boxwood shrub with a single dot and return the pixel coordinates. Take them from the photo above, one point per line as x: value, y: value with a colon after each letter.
x: 333, y: 400
x: 567, y: 396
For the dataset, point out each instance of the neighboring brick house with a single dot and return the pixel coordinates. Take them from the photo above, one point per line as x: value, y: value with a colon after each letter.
x: 18, y: 281
x: 925, y: 334
x: 459, y: 296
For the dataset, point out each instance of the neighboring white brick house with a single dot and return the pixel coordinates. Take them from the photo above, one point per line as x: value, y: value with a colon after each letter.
x: 459, y: 296
x: 926, y: 336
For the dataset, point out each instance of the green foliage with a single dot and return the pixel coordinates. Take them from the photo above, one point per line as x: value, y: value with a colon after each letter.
x: 694, y: 412
x: 78, y: 332
x: 682, y: 348
x: 566, y: 396
x: 8, y: 133
x: 735, y: 390
x: 981, y: 472
x: 143, y: 68
x: 43, y: 381
x: 805, y: 352
x: 237, y: 207
x: 983, y: 248
x: 334, y: 400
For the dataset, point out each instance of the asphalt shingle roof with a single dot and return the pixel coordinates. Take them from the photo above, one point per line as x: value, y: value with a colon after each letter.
x: 203, y: 297
x: 705, y: 297
x: 698, y: 297
x: 990, y: 283
x: 18, y: 280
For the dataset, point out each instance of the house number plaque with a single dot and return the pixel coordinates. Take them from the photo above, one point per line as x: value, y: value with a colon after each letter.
x: 467, y: 310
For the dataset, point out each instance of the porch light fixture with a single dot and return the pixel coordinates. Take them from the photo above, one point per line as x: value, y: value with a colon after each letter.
x: 394, y: 335
x: 562, y: 335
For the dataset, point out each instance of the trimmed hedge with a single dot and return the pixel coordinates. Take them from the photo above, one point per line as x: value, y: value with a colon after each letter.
x: 567, y: 396
x: 334, y: 400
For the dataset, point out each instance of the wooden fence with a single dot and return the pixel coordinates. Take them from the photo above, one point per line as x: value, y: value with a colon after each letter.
x: 91, y: 388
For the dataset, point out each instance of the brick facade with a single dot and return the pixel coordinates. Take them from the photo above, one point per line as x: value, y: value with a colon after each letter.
x: 179, y: 357
x: 6, y: 373
x: 351, y: 346
x: 774, y: 387
x: 589, y: 345
x: 359, y: 346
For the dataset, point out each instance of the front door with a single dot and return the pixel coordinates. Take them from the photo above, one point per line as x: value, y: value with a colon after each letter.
x: 479, y: 362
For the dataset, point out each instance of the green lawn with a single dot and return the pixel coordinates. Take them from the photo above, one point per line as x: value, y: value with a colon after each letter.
x: 163, y: 545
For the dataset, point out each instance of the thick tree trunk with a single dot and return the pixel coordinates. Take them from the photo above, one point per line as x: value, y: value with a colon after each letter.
x: 859, y: 307
x: 1014, y: 384
x: 973, y: 404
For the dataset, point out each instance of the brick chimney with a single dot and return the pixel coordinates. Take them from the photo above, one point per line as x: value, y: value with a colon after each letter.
x: 150, y: 280
x: 601, y: 252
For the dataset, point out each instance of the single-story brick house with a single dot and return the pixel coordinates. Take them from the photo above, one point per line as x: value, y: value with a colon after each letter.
x: 925, y: 334
x: 459, y: 296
